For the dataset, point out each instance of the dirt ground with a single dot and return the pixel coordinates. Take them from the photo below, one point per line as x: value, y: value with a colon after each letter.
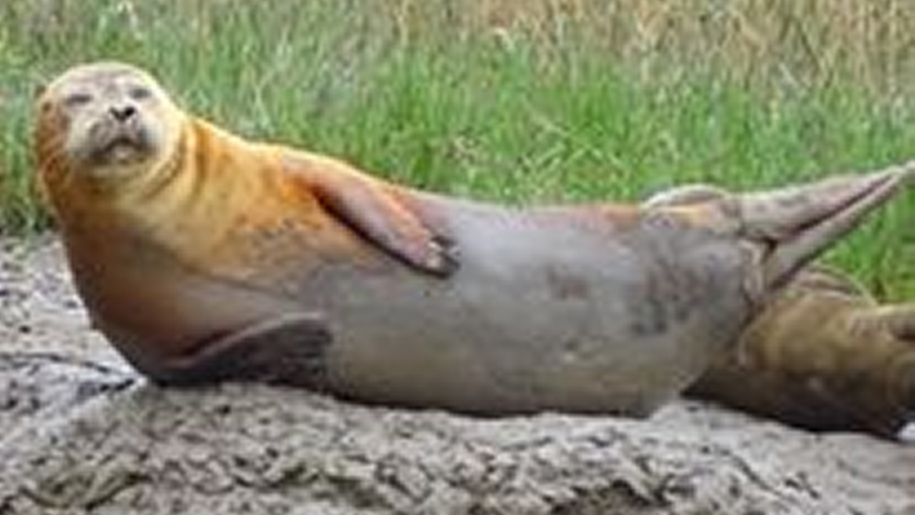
x: 80, y: 433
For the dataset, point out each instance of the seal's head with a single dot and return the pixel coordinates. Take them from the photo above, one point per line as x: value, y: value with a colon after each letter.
x: 105, y: 120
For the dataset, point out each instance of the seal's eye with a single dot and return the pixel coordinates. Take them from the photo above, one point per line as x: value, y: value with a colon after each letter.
x: 139, y: 92
x: 77, y: 99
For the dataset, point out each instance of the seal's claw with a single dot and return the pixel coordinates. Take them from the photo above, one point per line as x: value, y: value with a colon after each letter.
x: 433, y: 254
x: 445, y: 256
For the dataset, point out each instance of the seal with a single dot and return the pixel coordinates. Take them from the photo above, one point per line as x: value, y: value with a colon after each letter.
x: 205, y: 257
x: 823, y: 355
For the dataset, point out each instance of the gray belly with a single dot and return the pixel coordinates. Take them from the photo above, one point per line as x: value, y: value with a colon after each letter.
x: 542, y: 314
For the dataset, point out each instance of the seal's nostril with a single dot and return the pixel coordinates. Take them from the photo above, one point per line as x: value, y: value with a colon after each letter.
x: 123, y: 113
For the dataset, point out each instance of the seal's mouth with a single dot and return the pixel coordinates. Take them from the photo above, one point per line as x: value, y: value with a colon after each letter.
x: 121, y: 145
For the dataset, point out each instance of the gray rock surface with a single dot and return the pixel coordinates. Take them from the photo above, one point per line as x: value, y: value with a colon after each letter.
x: 80, y: 433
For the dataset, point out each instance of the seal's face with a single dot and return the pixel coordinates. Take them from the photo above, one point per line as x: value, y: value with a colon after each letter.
x: 108, y: 119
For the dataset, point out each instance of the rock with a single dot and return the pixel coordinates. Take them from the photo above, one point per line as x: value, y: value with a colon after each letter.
x: 80, y: 433
x: 82, y: 438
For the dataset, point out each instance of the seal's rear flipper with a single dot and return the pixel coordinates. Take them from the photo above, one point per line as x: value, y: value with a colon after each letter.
x: 794, y: 225
x: 289, y: 350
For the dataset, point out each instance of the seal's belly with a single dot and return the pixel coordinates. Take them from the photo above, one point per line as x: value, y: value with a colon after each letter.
x: 541, y: 314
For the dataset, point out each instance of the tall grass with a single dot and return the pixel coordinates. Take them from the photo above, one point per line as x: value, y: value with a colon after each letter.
x: 515, y: 100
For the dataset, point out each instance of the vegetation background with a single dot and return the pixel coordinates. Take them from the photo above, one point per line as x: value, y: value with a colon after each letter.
x: 515, y: 100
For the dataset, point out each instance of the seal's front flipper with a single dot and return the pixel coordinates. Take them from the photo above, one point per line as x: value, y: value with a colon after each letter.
x: 289, y: 349
x: 372, y: 209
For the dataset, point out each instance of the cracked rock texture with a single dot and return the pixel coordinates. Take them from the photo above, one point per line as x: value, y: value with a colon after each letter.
x: 80, y: 433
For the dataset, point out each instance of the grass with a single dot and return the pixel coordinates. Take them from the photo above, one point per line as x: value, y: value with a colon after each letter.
x: 515, y: 100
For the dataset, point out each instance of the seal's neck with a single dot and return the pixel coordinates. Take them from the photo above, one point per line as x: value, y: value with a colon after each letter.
x: 192, y: 186
x: 154, y: 178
